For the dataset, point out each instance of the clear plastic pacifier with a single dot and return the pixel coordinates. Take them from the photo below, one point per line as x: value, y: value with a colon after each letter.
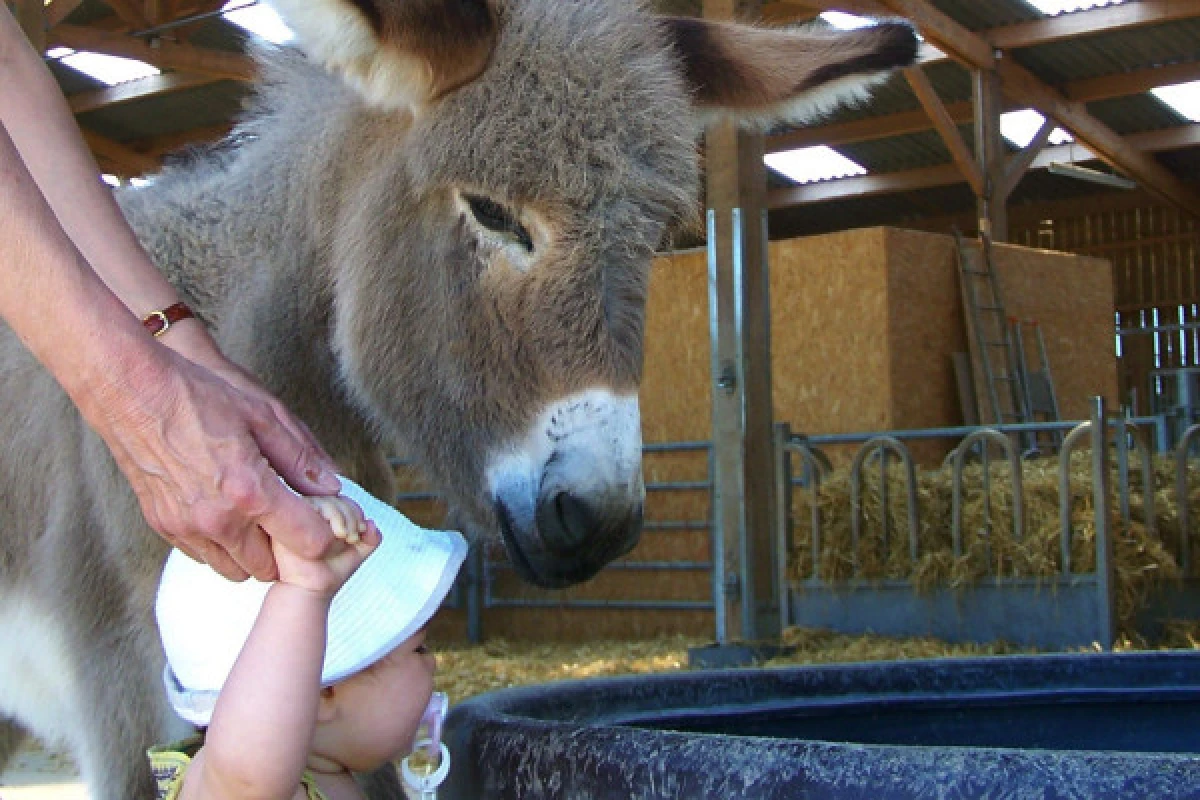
x: 427, y: 766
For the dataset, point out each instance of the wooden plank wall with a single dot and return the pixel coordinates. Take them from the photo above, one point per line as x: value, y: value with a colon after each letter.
x: 1155, y: 253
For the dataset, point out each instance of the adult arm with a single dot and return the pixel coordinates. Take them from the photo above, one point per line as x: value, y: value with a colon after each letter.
x: 201, y: 443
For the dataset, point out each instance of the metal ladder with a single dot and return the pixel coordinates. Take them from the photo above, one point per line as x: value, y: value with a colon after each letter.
x: 1041, y: 400
x: 988, y: 324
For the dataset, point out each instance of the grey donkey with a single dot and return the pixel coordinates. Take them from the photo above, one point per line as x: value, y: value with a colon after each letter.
x: 432, y: 231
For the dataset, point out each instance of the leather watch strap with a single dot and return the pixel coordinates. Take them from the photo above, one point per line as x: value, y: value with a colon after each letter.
x: 157, y: 322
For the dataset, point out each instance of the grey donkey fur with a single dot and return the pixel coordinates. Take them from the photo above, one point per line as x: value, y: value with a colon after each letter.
x: 425, y: 235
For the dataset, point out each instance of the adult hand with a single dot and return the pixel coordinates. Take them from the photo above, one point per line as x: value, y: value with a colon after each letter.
x: 205, y: 458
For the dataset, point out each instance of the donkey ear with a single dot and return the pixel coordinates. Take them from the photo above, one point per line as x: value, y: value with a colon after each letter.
x: 762, y: 76
x: 397, y: 53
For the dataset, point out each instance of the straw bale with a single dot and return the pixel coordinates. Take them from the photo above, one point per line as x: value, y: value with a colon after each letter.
x: 1142, y: 561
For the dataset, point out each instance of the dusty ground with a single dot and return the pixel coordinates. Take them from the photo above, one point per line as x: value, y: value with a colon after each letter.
x: 466, y: 671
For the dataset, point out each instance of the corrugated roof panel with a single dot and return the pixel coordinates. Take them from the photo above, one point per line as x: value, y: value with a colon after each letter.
x: 166, y: 114
x: 1136, y: 113
x: 978, y: 15
x: 898, y: 153
x: 1113, y: 53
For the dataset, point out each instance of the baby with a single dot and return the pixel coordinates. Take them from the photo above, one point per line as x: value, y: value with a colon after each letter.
x: 304, y: 681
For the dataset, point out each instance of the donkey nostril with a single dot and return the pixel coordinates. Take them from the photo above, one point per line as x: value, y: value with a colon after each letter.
x: 564, y: 521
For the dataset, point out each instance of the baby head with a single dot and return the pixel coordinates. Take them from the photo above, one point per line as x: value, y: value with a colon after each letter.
x: 377, y: 676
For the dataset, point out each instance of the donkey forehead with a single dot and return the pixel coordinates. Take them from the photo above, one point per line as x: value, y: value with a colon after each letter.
x: 583, y: 102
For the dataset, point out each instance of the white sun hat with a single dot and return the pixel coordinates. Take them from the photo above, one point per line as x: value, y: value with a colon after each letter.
x: 204, y: 619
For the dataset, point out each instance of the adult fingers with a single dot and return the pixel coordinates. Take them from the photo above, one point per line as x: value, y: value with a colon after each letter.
x: 208, y: 552
x: 293, y: 452
x: 252, y: 553
x: 294, y: 522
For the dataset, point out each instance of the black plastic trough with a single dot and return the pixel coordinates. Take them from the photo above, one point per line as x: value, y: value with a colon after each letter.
x: 1073, y: 726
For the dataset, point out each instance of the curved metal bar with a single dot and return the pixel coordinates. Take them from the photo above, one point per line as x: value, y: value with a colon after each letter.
x: 1064, y: 490
x: 814, y: 468
x: 883, y: 444
x: 1182, y: 495
x: 1149, y: 517
x: 985, y: 437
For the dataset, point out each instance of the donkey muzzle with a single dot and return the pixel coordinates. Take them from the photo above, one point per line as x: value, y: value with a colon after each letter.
x: 568, y: 500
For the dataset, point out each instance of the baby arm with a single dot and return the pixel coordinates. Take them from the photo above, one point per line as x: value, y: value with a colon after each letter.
x: 258, y: 742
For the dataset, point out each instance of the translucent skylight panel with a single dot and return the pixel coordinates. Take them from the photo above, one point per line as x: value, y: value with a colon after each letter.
x: 846, y: 22
x: 812, y: 164
x: 109, y: 70
x: 1053, y: 7
x: 259, y: 20
x: 1019, y: 127
x: 1184, y: 98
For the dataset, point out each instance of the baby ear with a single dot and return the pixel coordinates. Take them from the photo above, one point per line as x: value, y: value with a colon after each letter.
x: 762, y: 76
x: 396, y: 53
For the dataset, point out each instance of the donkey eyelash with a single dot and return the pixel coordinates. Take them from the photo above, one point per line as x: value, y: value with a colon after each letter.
x: 498, y: 219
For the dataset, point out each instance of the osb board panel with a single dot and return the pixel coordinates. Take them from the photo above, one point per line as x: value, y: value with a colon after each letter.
x: 1071, y: 297
x: 829, y: 312
x: 925, y: 329
x: 675, y: 395
x: 615, y: 583
x: 576, y: 625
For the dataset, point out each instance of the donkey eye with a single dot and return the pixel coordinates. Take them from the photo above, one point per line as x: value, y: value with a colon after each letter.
x: 498, y: 219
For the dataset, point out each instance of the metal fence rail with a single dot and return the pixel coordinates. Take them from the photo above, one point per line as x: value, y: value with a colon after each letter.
x: 478, y: 586
x: 1070, y: 608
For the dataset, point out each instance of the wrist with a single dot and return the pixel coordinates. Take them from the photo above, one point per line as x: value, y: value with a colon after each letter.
x: 300, y: 593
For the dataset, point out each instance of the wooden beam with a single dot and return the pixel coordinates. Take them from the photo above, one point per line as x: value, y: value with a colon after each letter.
x: 946, y: 128
x: 130, y: 12
x: 165, y: 55
x: 945, y: 33
x: 129, y: 162
x: 1022, y: 85
x: 791, y: 11
x: 1097, y: 21
x: 1177, y: 138
x: 58, y: 11
x: 1020, y: 163
x: 1098, y: 137
x: 1106, y: 87
x: 905, y: 122
x: 132, y: 91
x: 159, y: 146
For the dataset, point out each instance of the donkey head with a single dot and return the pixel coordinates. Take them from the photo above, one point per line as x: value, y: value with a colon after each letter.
x: 520, y: 160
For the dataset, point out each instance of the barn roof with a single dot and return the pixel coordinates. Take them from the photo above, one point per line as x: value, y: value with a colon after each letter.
x: 1101, y: 62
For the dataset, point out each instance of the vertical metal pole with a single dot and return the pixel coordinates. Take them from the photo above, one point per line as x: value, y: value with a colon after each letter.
x: 1101, y: 494
x: 475, y: 594
x: 783, y: 518
x: 726, y: 379
x: 741, y: 399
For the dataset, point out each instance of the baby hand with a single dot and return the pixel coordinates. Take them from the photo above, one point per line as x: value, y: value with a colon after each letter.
x: 356, y: 538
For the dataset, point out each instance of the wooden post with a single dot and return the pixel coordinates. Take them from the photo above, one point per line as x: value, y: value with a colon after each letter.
x: 31, y: 16
x: 990, y: 154
x: 744, y: 555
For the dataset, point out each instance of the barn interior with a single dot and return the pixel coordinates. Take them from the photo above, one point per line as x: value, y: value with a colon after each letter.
x: 1034, y: 177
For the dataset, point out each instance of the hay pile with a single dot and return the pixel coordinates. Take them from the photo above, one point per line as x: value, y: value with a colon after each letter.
x: 465, y: 671
x: 1143, y: 561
